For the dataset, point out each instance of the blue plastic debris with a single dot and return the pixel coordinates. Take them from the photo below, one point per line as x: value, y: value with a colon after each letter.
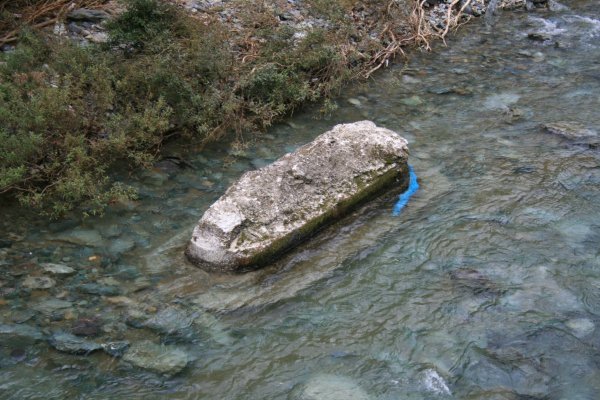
x: 413, y: 186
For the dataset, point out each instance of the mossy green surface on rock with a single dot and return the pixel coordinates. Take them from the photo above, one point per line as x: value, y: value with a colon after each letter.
x: 394, y: 177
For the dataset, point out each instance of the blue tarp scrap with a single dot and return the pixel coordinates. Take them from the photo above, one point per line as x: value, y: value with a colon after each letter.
x: 413, y: 186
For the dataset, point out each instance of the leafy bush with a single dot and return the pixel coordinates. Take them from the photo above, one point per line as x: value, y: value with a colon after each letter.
x: 50, y: 122
x: 69, y: 113
x: 144, y: 22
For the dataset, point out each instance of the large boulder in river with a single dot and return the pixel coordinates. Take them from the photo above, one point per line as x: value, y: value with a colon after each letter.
x: 268, y: 211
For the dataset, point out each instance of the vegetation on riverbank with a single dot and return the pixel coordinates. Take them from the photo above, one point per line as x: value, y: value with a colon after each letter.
x: 68, y: 112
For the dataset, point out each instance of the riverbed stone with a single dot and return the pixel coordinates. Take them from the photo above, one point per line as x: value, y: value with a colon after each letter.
x: 120, y: 246
x: 473, y: 280
x: 85, y: 326
x: 412, y: 101
x: 48, y: 307
x: 58, y: 269
x: 81, y: 237
x: 332, y: 387
x: 38, y: 282
x: 268, y: 211
x: 68, y: 343
x: 99, y: 290
x: 580, y: 327
x: 171, y: 321
x: 568, y: 130
x: 115, y: 349
x: 166, y: 360
x: 121, y: 301
x: 21, y: 331
x: 22, y: 315
x: 22, y: 269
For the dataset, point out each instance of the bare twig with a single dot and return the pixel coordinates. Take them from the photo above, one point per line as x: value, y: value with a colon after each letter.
x: 43, y: 14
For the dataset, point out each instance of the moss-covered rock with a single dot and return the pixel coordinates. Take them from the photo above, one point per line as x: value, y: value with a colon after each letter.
x: 270, y: 210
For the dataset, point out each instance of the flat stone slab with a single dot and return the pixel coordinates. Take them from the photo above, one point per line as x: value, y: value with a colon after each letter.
x: 166, y: 360
x: 270, y: 210
x: 569, y: 130
x: 332, y: 387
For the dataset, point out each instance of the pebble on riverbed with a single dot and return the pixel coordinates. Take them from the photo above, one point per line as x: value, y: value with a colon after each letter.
x: 568, y: 130
x: 68, y: 343
x: 165, y: 360
x: 580, y: 327
x: 48, y: 307
x: 474, y: 281
x: 38, y: 282
x: 115, y: 349
x: 332, y: 387
x: 58, y: 269
x: 21, y: 331
x: 99, y: 290
x: 171, y: 321
x: 86, y: 327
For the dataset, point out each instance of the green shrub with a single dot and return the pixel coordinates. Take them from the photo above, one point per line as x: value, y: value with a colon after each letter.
x: 143, y: 22
x: 68, y: 113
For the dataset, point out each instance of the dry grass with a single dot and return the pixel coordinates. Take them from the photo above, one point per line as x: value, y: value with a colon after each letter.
x: 37, y: 14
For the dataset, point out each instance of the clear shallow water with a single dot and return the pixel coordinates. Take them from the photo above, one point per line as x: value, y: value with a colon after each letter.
x: 487, y: 286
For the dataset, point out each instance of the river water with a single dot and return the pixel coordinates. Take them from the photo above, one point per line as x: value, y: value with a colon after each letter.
x: 486, y: 286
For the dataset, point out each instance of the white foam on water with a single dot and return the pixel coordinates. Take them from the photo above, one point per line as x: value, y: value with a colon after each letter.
x: 501, y: 101
x: 547, y: 26
x: 434, y: 383
x: 581, y: 327
x: 592, y: 25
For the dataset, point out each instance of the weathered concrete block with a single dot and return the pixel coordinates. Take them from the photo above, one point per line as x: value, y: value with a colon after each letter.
x: 270, y: 210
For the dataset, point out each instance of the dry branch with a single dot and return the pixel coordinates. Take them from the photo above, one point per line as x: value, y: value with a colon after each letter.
x: 42, y: 14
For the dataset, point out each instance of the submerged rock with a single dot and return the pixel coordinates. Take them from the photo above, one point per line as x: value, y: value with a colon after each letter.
x: 99, y: 290
x: 22, y: 331
x: 120, y: 246
x: 268, y: 211
x: 569, y: 130
x: 580, y: 327
x: 58, y: 269
x: 48, y: 307
x: 86, y: 327
x: 68, y: 343
x: 38, y: 282
x: 115, y: 349
x: 473, y: 280
x: 171, y: 321
x: 187, y: 325
x: 81, y: 237
x: 538, y: 36
x: 332, y: 387
x: 167, y: 360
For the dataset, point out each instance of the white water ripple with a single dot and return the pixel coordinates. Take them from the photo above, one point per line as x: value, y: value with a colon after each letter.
x: 434, y: 383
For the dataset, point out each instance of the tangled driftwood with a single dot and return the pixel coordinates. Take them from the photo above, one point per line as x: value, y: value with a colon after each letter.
x: 40, y: 14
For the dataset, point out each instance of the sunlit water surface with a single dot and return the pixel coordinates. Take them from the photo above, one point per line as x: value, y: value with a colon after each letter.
x: 486, y: 286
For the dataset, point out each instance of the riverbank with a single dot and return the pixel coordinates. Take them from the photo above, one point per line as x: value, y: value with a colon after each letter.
x: 110, y: 87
